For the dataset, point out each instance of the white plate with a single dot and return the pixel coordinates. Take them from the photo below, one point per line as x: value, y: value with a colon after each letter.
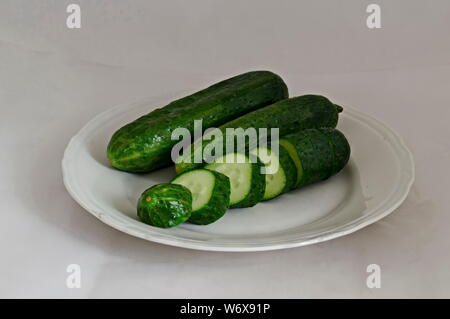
x: 374, y: 183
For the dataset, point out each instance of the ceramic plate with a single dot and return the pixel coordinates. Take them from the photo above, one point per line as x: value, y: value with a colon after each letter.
x: 375, y: 182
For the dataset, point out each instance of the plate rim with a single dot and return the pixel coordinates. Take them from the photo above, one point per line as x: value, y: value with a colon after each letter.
x: 375, y: 214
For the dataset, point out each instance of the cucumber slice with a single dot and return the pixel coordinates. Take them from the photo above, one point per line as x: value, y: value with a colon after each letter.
x: 281, y: 172
x: 247, y: 182
x: 210, y: 194
x: 289, y: 167
x: 292, y: 151
x: 165, y: 205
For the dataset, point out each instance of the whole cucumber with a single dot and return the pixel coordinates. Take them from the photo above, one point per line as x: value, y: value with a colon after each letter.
x: 145, y: 144
x: 290, y: 115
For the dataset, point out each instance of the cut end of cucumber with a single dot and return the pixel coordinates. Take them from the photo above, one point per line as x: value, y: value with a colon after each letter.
x: 292, y: 151
x: 210, y: 194
x: 238, y: 169
x: 276, y: 181
x: 200, y: 182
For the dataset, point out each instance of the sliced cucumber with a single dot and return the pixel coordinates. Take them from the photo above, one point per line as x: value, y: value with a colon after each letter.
x: 165, y: 205
x: 292, y: 151
x: 320, y: 153
x: 280, y: 171
x: 210, y: 194
x: 247, y: 182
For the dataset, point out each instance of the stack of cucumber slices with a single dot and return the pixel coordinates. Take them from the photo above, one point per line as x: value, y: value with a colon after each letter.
x: 308, y: 149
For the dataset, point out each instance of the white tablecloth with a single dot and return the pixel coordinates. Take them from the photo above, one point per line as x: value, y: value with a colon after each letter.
x: 54, y: 79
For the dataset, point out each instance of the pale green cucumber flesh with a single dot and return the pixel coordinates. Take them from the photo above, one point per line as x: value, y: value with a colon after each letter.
x: 275, y: 175
x: 247, y: 183
x: 210, y: 194
x: 201, y: 185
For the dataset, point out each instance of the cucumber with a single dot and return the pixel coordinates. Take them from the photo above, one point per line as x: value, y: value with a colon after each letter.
x: 145, y: 144
x: 165, y: 205
x: 281, y: 172
x: 341, y: 149
x: 247, y: 182
x: 319, y: 153
x: 292, y: 151
x: 210, y: 194
x: 290, y: 115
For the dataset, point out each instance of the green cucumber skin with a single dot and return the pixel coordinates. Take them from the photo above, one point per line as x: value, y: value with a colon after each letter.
x: 340, y: 146
x: 323, y: 152
x: 145, y: 144
x: 293, y: 154
x: 320, y: 158
x: 218, y: 203
x: 290, y: 170
x: 289, y: 115
x: 257, y: 189
x: 165, y: 205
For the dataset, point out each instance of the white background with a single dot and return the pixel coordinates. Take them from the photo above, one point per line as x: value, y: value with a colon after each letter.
x: 53, y: 80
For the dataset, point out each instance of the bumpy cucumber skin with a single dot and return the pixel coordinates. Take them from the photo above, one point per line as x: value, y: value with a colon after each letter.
x: 165, y: 205
x: 340, y: 146
x: 257, y: 188
x: 290, y: 115
x: 217, y: 204
x: 290, y: 170
x: 323, y: 152
x: 145, y: 144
